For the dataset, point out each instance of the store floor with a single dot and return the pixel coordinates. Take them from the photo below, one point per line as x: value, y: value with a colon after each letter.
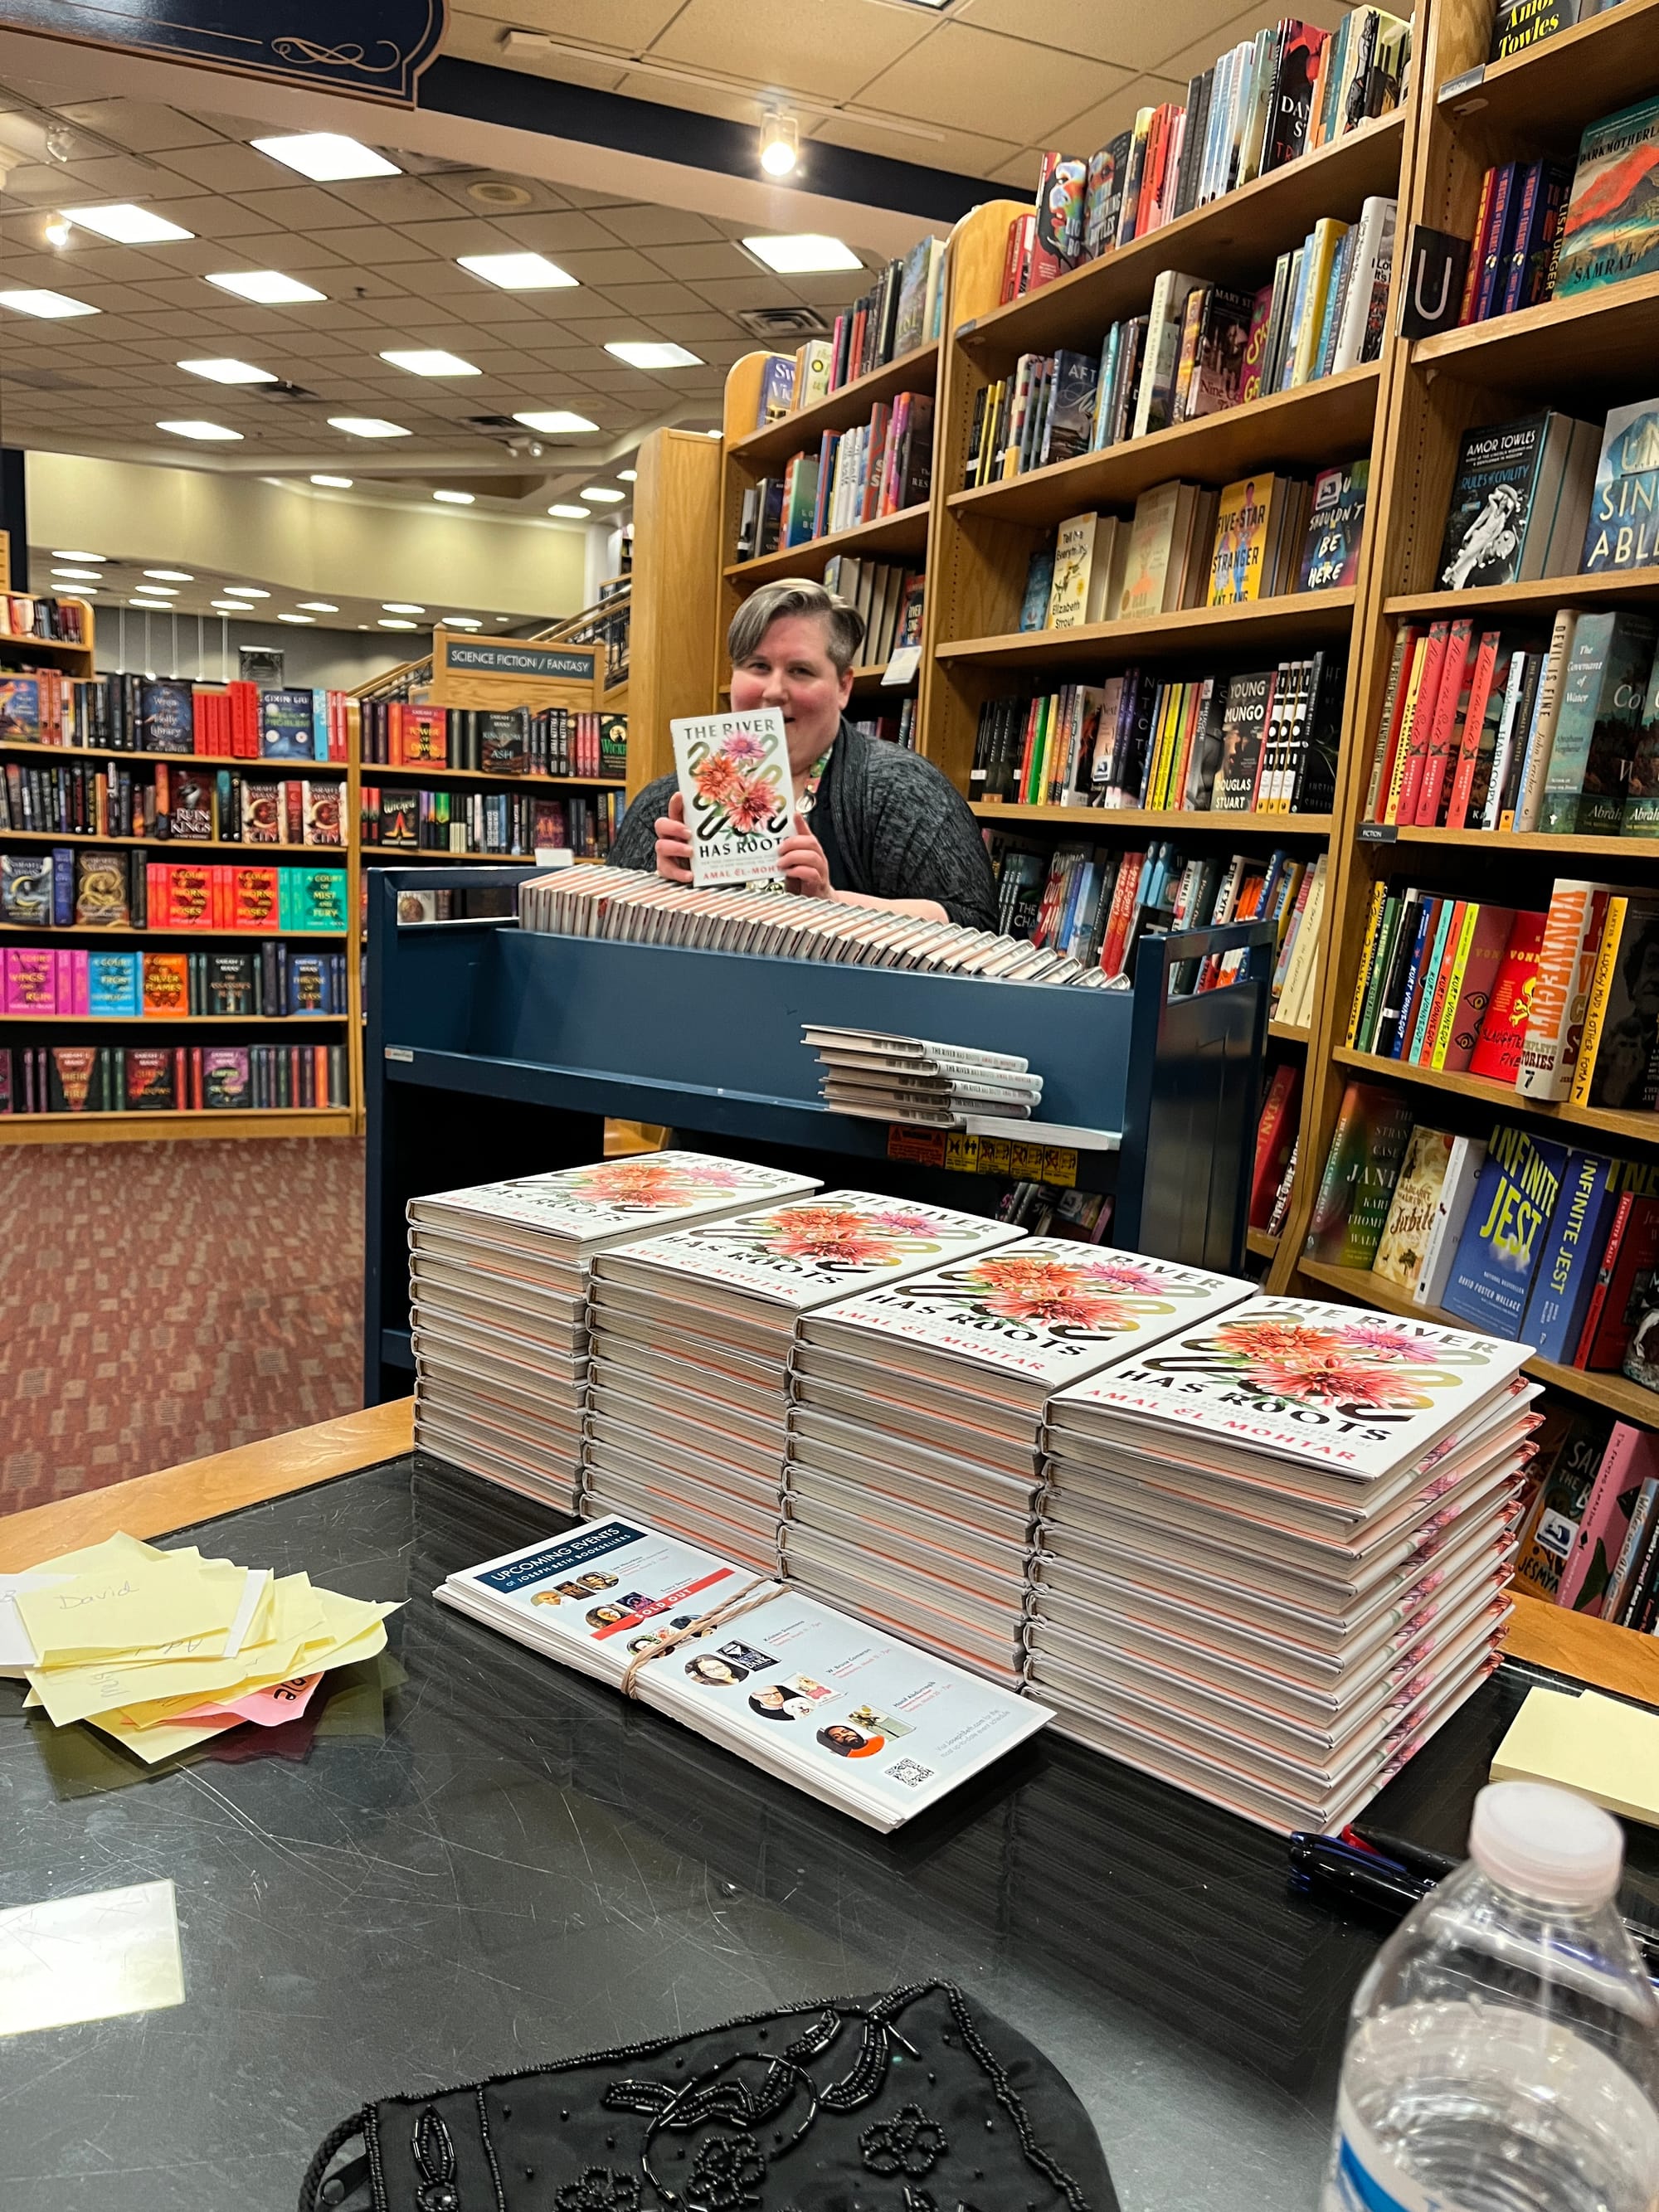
x: 160, y: 1301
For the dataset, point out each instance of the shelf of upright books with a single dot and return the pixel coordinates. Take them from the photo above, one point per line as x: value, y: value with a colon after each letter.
x: 827, y: 471
x: 1486, y: 1071
x: 1149, y: 551
x: 144, y: 964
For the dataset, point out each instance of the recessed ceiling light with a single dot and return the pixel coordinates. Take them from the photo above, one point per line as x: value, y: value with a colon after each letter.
x: 430, y: 361
x: 127, y: 224
x: 333, y: 483
x: 79, y: 575
x: 266, y: 288
x: 553, y: 422
x: 51, y: 306
x: 806, y: 253
x: 653, y: 353
x: 75, y: 553
x: 245, y: 591
x: 366, y: 426
x: 206, y: 431
x: 601, y: 493
x: 462, y: 621
x: 566, y: 513
x: 400, y: 607
x: 152, y: 607
x: 319, y: 606
x: 230, y: 371
x: 160, y: 591
x: 169, y: 576
x: 326, y: 157
x: 231, y: 607
x: 518, y: 272
x: 307, y: 619
x: 454, y: 498
x: 59, y: 230
x: 627, y: 476
x: 390, y: 622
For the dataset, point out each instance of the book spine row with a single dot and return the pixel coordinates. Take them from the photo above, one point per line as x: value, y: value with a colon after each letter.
x: 510, y: 822
x: 271, y: 982
x: 115, y: 1079
x: 878, y: 468
x: 79, y: 799
x: 552, y: 741
x: 162, y: 715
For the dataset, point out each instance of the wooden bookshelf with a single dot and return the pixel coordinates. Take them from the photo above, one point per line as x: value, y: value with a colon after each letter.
x: 1580, y: 353
x: 378, y: 772
x: 676, y: 595
x: 87, y: 933
x: 841, y: 410
x: 280, y: 767
x: 245, y: 847
x: 899, y: 537
x: 142, y: 1127
x: 1253, y: 626
x: 1089, y: 821
x: 171, y: 1023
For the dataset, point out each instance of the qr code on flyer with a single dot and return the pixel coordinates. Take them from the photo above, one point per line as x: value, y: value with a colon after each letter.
x: 910, y: 1772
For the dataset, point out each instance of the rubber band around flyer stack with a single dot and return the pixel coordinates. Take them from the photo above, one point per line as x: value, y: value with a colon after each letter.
x: 745, y: 1601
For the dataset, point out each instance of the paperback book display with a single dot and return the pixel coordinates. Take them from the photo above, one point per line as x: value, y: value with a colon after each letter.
x: 119, y: 1078
x: 133, y: 714
x: 906, y: 1078
x: 59, y: 887
x: 695, y: 1436
x: 916, y: 1427
x: 75, y: 799
x: 498, y: 1288
x: 1287, y: 92
x: 1274, y: 1550
x: 626, y: 906
x: 402, y: 818
x: 511, y: 742
x: 864, y: 1722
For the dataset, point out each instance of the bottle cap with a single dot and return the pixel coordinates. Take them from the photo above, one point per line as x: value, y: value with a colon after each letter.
x: 1549, y: 1845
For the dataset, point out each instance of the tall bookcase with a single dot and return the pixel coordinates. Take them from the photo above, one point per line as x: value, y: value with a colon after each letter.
x: 982, y: 538
x: 672, y: 595
x: 19, y: 654
x: 1581, y: 353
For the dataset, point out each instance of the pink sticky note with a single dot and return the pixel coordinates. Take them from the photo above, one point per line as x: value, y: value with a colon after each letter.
x: 272, y: 1708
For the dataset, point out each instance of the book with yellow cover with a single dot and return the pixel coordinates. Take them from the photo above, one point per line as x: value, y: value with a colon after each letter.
x: 1151, y: 549
x: 1242, y: 522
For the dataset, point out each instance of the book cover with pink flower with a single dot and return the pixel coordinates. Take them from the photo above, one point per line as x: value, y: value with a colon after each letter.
x: 612, y: 1199
x: 1358, y: 1394
x: 804, y: 1254
x: 1047, y: 1310
x: 734, y: 781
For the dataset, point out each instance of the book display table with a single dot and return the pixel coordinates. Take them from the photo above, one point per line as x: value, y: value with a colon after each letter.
x: 465, y: 1859
x: 495, y: 1052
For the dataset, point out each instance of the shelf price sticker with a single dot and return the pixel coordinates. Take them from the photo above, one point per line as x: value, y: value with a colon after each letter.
x: 969, y: 1155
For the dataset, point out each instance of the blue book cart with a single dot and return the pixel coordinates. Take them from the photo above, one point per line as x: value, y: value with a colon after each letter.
x: 493, y: 1052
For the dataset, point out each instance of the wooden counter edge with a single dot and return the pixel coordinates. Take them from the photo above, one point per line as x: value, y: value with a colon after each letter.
x: 1592, y: 1651
x: 200, y: 1489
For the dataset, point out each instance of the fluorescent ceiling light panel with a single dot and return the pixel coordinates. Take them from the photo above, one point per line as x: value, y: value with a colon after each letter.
x: 51, y: 306
x: 75, y: 553
x: 245, y: 591
x: 454, y: 498
x: 806, y: 253
x: 160, y: 591
x: 566, y: 513
x: 79, y: 575
x: 601, y: 493
x: 230, y: 371
x: 319, y: 606
x: 366, y: 426
x: 307, y: 619
x: 127, y: 225
x: 208, y: 432
x: 518, y: 272
x: 266, y: 288
x: 231, y: 607
x: 333, y: 483
x: 653, y: 353
x: 391, y: 621
x: 627, y: 476
x: 169, y: 576
x: 326, y: 157
x: 400, y: 607
x: 431, y: 361
x: 462, y: 621
x: 555, y: 422
x: 152, y: 607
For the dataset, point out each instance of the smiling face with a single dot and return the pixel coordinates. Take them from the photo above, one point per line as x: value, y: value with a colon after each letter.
x: 790, y: 669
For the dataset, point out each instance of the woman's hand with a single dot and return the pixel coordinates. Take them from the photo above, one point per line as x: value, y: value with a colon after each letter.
x: 674, y: 842
x: 803, y: 863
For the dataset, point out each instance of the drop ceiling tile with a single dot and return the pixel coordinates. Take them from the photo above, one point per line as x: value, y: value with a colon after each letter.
x: 372, y: 246
x: 645, y: 302
x: 966, y: 153
x: 121, y: 176
x: 689, y: 263
x: 139, y: 125
x: 217, y: 218
x: 299, y: 207
x: 555, y: 231
x: 824, y: 48
x: 630, y: 24
x: 438, y: 280
x: 649, y: 226
x: 224, y: 167
x: 1188, y: 58
x: 971, y: 80
x: 1105, y: 30
x: 1084, y: 133
x: 694, y: 323
x: 756, y: 291
x: 394, y: 199
x: 455, y: 235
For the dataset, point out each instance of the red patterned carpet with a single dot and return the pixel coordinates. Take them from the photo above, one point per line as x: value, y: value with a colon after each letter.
x: 160, y: 1301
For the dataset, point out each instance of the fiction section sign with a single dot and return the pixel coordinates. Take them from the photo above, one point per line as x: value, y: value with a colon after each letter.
x: 375, y: 48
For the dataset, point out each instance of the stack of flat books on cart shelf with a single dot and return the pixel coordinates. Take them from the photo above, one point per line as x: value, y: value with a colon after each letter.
x: 498, y: 1293
x: 880, y: 1078
x: 916, y: 1422
x: 692, y: 1338
x: 1275, y: 1551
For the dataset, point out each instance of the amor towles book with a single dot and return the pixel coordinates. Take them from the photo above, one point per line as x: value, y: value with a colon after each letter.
x: 734, y: 780
x: 1358, y: 1392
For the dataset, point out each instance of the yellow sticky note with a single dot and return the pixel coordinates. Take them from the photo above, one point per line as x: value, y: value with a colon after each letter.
x: 74, y: 1693
x: 1596, y: 1745
x: 148, y: 1604
x: 154, y: 1744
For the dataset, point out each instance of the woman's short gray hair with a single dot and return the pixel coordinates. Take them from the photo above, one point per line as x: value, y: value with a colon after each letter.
x: 797, y: 595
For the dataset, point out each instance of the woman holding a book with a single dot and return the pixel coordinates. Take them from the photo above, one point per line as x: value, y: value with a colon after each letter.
x: 875, y: 826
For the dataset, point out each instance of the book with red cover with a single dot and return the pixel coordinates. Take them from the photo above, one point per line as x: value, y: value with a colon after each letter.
x: 167, y: 983
x: 151, y: 1078
x: 189, y: 895
x: 1256, y: 346
x: 1275, y: 1134
x: 1621, y: 1291
x: 1453, y: 695
x: 1630, y: 1457
x: 1418, y: 722
x: 1483, y: 682
x: 1497, y: 1054
x: 1487, y: 949
x: 255, y: 899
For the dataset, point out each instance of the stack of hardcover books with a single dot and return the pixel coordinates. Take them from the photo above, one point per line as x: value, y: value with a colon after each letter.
x: 906, y: 1078
x: 916, y: 1428
x: 497, y: 1292
x: 1275, y: 1551
x: 692, y: 1439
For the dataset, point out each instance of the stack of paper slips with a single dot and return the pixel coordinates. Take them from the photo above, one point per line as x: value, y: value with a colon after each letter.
x: 916, y: 1433
x: 906, y: 1078
x: 497, y: 1281
x: 692, y: 1340
x: 1275, y: 1548
x: 162, y: 1649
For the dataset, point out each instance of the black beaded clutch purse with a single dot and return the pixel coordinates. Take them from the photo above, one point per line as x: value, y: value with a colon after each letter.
x: 916, y: 2101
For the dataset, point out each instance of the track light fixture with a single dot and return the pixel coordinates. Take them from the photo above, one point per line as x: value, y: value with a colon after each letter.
x: 779, y: 142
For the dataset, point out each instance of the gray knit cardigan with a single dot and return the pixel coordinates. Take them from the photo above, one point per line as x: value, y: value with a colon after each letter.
x: 903, y: 828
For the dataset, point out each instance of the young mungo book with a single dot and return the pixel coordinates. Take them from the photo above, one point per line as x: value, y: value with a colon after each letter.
x: 866, y: 1723
x: 734, y: 779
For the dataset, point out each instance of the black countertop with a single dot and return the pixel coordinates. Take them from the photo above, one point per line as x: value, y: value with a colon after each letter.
x: 465, y: 1860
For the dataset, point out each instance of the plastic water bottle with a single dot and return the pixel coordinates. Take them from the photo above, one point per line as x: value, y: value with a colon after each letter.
x: 1504, y: 2054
